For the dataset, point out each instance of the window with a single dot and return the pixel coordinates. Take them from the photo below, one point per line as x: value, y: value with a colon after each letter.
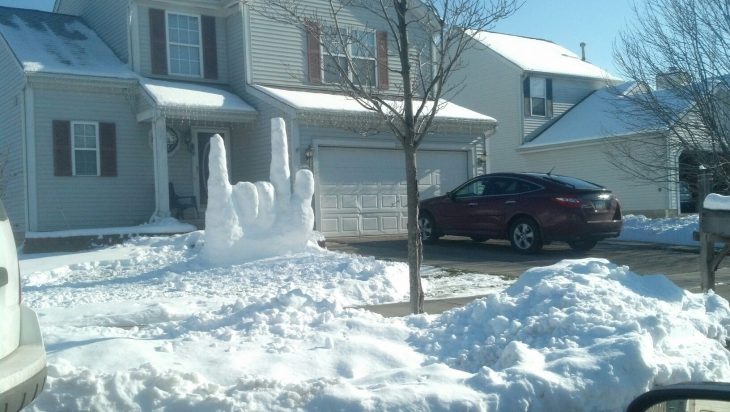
x: 475, y: 188
x: 85, y: 144
x: 184, y: 51
x: 538, y: 96
x: 360, y: 45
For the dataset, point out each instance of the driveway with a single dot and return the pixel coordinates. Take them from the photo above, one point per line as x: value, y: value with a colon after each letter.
x: 679, y: 263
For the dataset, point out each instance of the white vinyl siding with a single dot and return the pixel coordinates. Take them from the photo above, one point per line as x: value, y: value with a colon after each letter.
x: 184, y: 45
x: 85, y: 145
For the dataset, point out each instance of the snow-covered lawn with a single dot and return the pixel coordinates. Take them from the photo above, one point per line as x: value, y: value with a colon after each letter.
x: 150, y: 325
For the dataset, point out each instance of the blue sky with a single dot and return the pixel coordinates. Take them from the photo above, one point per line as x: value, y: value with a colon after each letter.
x: 566, y: 22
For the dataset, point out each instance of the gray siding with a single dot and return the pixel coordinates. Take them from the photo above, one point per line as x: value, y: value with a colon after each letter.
x: 235, y: 40
x: 12, y: 179
x: 83, y: 201
x: 108, y: 18
x: 144, y: 42
x: 279, y: 50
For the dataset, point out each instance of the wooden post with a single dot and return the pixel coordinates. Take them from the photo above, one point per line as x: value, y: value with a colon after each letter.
x: 707, y: 243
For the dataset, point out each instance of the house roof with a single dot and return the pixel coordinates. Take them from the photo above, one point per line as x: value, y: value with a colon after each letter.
x: 339, y: 103
x: 607, y: 112
x: 181, y: 95
x: 537, y: 55
x: 59, y: 44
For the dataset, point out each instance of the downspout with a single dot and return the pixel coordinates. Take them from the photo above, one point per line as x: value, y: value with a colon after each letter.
x: 29, y: 158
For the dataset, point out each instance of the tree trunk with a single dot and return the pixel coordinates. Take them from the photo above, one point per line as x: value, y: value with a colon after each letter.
x: 415, y: 245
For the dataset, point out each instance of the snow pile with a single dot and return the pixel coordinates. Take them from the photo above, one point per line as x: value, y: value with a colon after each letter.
x: 673, y: 231
x: 713, y: 201
x: 152, y: 325
x: 166, y: 225
x: 582, y: 335
x: 253, y: 221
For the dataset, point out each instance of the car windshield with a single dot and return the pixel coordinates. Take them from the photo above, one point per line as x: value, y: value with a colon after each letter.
x: 568, y: 181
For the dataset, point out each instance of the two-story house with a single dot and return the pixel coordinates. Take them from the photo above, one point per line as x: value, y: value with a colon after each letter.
x: 557, y: 113
x: 105, y: 102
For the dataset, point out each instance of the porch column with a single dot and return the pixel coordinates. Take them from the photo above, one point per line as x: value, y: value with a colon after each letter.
x: 159, y: 149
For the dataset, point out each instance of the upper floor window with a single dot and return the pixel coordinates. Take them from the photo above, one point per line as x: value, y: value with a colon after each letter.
x: 85, y: 144
x: 360, y: 46
x: 538, y: 92
x: 184, y: 44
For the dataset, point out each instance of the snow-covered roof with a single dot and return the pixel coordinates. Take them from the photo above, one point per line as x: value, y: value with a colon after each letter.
x: 537, y: 55
x: 59, y: 44
x: 332, y: 102
x: 605, y: 113
x: 169, y: 94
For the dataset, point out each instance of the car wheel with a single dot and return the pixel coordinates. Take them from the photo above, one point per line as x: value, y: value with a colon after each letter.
x: 582, y: 245
x: 524, y: 236
x: 479, y: 239
x: 429, y: 233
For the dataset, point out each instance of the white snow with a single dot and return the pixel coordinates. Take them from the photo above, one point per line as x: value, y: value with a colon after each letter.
x: 162, y: 226
x: 714, y: 201
x: 58, y: 43
x: 152, y: 325
x: 249, y: 221
x: 338, y: 103
x: 672, y: 231
x: 542, y: 56
x: 179, y: 94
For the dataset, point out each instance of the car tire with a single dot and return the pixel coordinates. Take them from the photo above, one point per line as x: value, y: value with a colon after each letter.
x: 582, y: 245
x: 479, y: 239
x: 524, y: 236
x: 429, y: 231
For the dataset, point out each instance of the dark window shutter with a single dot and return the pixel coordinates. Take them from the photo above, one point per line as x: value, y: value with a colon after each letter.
x: 210, y: 47
x: 526, y: 91
x: 382, y: 40
x: 314, y: 57
x: 158, y: 41
x: 549, y: 97
x: 108, y: 144
x: 61, y: 148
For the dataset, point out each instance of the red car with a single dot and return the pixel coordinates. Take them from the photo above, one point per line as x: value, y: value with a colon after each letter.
x: 529, y: 209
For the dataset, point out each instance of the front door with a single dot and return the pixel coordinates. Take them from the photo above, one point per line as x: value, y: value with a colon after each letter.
x: 202, y: 142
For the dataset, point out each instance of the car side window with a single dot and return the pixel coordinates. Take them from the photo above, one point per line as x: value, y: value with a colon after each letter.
x: 475, y: 188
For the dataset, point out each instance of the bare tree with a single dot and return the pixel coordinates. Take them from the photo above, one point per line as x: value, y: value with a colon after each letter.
x: 428, y: 38
x: 682, y: 49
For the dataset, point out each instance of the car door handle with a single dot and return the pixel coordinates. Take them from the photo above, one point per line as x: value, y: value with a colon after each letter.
x: 3, y: 276
x: 510, y: 202
x: 472, y: 204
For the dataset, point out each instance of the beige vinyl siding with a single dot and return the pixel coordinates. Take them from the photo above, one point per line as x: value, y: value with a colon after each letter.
x: 590, y: 162
x: 144, y: 42
x: 279, y: 50
x: 108, y: 18
x: 486, y: 84
x: 65, y: 202
x: 12, y: 179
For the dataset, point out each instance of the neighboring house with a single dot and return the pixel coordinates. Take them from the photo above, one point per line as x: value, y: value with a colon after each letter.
x: 556, y: 114
x: 104, y: 102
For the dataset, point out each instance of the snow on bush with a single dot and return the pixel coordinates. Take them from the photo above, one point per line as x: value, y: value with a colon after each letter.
x: 249, y: 221
x: 673, y: 231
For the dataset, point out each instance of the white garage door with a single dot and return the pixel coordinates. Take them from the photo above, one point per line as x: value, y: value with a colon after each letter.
x: 363, y: 191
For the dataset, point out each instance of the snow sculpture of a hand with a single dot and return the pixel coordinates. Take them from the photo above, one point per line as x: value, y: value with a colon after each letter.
x: 249, y: 221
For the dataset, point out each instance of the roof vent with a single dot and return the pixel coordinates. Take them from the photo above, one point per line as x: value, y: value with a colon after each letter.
x: 583, y: 51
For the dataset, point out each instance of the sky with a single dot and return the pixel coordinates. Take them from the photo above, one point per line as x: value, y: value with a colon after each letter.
x: 566, y: 22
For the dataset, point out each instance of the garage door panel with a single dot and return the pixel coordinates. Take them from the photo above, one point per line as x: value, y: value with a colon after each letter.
x: 363, y: 191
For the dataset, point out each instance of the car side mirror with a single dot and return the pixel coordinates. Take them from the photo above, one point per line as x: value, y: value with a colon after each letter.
x: 450, y: 195
x: 704, y: 396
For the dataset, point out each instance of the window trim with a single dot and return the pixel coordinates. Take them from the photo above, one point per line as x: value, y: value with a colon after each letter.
x: 544, y: 98
x: 74, y: 149
x: 168, y: 42
x: 324, y: 54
